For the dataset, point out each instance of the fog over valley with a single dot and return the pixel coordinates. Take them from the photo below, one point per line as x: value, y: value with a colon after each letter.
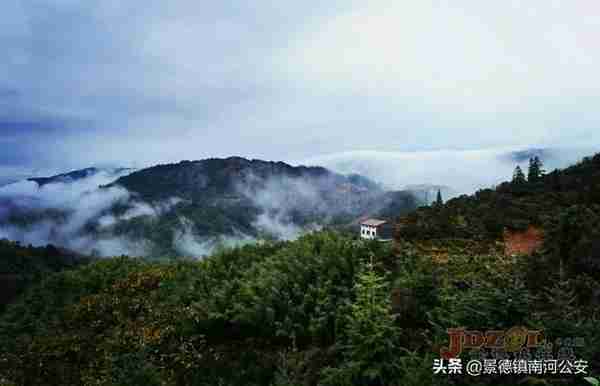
x: 186, y: 209
x: 92, y: 211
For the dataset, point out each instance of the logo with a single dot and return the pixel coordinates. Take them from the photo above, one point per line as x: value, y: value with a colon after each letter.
x: 512, y: 340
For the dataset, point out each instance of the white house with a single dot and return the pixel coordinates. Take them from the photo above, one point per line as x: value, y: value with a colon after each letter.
x: 374, y: 229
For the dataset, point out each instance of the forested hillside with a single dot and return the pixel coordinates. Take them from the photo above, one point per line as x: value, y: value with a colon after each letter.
x: 240, y: 198
x: 325, y: 309
x: 190, y: 208
x: 22, y: 266
x: 564, y: 203
x: 295, y: 194
x: 512, y: 204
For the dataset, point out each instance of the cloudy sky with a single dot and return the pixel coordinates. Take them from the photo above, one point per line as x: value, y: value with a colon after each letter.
x: 140, y: 82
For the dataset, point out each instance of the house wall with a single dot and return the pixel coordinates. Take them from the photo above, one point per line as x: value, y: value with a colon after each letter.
x: 384, y: 231
x: 523, y: 242
x: 368, y: 232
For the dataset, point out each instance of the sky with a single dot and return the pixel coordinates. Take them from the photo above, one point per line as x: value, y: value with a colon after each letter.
x: 135, y: 83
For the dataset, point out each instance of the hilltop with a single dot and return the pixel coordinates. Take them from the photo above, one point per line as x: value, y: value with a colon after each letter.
x: 191, y: 207
x: 488, y: 212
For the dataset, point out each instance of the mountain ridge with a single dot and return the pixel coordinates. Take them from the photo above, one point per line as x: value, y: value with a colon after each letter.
x: 189, y: 207
x: 75, y: 175
x: 220, y: 174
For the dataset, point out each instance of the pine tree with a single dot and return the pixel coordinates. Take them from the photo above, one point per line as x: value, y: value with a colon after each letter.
x: 540, y: 167
x: 531, y: 172
x: 567, y: 235
x: 371, y: 329
x: 370, y: 351
x: 518, y: 176
x: 560, y: 308
x: 535, y: 171
x: 438, y: 201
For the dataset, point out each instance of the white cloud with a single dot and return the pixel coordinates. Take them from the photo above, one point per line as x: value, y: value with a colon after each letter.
x: 82, y: 193
x: 464, y: 171
x: 83, y: 203
x: 138, y: 83
x: 483, y: 56
x: 80, y: 201
x: 190, y: 244
x: 276, y: 226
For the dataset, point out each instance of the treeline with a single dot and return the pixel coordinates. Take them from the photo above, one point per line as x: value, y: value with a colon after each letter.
x: 21, y: 266
x: 533, y: 200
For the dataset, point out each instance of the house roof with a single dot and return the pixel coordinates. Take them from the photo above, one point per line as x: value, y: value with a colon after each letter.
x: 373, y: 222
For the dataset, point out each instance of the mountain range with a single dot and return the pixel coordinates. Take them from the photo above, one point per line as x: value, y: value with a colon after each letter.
x: 189, y: 208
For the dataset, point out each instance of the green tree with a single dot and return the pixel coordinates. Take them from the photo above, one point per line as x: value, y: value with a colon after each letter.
x: 568, y: 239
x: 518, y: 176
x: 560, y: 310
x: 438, y: 201
x: 371, y: 350
x: 535, y: 171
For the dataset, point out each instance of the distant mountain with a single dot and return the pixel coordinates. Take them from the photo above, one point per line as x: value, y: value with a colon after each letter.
x: 75, y: 175
x: 190, y: 207
x: 240, y: 178
x: 237, y: 196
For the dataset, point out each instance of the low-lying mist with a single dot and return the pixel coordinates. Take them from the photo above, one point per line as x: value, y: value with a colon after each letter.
x: 57, y: 213
x: 462, y: 171
x: 86, y: 216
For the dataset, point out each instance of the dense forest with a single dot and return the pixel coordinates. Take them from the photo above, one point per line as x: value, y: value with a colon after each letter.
x: 328, y: 308
x: 565, y: 203
x: 23, y: 266
x: 514, y: 204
